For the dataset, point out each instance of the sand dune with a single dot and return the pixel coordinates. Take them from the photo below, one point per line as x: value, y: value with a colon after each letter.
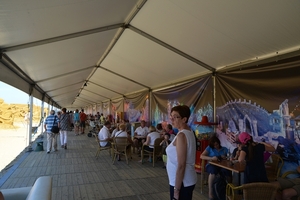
x: 12, y: 142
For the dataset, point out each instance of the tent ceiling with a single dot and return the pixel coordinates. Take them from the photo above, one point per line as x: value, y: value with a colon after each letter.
x: 119, y: 47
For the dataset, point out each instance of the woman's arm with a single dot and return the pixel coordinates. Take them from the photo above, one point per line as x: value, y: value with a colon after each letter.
x: 268, y: 147
x: 181, y: 149
x: 147, y: 140
x: 162, y: 142
x: 204, y: 156
x: 242, y: 156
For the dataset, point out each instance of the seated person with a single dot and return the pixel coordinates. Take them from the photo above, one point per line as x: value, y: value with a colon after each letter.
x: 151, y: 137
x: 289, y: 187
x: 164, y: 145
x: 253, y: 154
x: 169, y: 129
x: 122, y: 133
x: 236, y: 151
x: 115, y: 131
x: 213, y: 152
x: 140, y: 131
x: 160, y: 129
x: 104, y: 135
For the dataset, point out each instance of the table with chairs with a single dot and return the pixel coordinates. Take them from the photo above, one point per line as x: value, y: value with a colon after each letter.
x: 226, y: 164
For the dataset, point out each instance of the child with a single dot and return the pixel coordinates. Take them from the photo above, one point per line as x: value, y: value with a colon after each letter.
x: 164, y: 145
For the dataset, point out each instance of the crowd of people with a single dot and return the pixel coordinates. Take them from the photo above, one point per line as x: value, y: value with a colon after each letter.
x: 66, y: 121
x: 179, y: 149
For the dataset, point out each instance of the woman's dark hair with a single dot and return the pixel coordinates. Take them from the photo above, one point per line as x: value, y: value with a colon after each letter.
x: 250, y: 149
x: 183, y: 110
x: 170, y: 126
x: 214, y: 139
x: 159, y: 126
x: 107, y: 123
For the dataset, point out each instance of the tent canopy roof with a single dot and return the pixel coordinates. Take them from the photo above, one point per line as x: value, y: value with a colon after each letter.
x: 118, y: 47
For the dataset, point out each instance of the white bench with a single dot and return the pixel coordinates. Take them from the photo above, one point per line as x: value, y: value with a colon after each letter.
x: 41, y: 190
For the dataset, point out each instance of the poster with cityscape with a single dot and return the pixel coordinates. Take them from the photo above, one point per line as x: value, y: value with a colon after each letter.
x: 277, y: 128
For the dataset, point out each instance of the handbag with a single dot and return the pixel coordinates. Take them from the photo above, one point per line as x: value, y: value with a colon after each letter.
x: 54, y: 129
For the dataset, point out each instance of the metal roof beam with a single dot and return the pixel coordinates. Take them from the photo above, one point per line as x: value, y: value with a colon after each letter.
x: 124, y: 77
x: 105, y: 88
x: 95, y: 93
x: 65, y: 74
x: 70, y: 91
x: 64, y: 87
x: 62, y: 37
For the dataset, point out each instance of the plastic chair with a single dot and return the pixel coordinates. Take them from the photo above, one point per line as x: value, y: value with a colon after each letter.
x: 273, y: 167
x: 258, y: 191
x: 121, y: 146
x: 100, y: 148
x: 157, y: 150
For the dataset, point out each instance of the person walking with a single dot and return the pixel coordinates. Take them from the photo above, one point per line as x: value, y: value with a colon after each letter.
x: 50, y: 121
x: 83, y: 118
x: 64, y: 127
x: 76, y: 121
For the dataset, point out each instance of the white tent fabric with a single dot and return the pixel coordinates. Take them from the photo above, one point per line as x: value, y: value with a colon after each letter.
x: 118, y: 47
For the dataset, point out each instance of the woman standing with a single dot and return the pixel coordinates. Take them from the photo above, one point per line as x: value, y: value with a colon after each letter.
x: 64, y: 127
x: 253, y: 154
x: 181, y: 156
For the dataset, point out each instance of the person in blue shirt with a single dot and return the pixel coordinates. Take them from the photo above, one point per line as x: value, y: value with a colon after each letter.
x: 51, y: 120
x: 213, y: 152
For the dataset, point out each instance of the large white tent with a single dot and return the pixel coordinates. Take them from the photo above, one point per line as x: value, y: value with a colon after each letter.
x: 52, y: 49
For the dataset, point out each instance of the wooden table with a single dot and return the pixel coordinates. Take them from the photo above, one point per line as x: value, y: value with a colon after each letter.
x: 232, y: 166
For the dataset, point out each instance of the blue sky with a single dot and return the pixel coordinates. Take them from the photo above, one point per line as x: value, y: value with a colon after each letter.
x: 12, y: 95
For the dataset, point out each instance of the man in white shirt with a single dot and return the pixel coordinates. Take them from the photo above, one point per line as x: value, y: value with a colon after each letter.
x: 104, y: 135
x: 140, y: 135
